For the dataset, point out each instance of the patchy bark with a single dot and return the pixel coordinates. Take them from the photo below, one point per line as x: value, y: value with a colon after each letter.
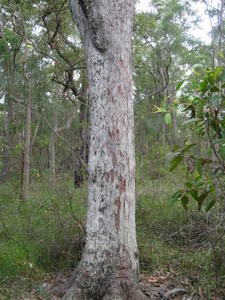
x: 109, y: 267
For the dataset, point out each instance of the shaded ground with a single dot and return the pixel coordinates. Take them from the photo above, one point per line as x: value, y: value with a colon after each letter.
x: 160, y: 285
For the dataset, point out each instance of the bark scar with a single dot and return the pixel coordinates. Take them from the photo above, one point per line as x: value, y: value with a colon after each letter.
x: 121, y: 184
x: 96, y: 24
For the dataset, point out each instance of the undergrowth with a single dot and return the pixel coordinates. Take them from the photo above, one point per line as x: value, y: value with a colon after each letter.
x: 45, y: 234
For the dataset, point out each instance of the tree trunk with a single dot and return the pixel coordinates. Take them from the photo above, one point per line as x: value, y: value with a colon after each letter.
x: 56, y: 132
x: 52, y: 152
x: 26, y: 171
x: 221, y: 31
x: 6, y: 156
x: 9, y: 70
x: 109, y: 266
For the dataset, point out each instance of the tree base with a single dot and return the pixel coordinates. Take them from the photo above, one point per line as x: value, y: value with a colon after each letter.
x: 119, y: 289
x: 114, y: 288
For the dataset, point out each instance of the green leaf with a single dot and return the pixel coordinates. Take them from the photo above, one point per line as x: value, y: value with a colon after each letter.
x: 209, y: 205
x: 201, y: 199
x: 184, y: 201
x: 187, y: 147
x: 168, y: 119
x: 188, y: 185
x: 199, y: 166
x: 217, y: 72
x: 179, y: 85
x: 214, y: 89
x: 175, y: 162
x: 176, y: 196
x: 159, y: 109
x: 194, y: 194
x: 221, y: 54
x: 194, y: 84
x: 203, y: 86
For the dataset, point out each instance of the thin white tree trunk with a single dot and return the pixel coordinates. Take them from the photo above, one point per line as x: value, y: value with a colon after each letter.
x: 109, y: 266
x: 56, y: 132
x: 26, y: 171
x: 221, y: 31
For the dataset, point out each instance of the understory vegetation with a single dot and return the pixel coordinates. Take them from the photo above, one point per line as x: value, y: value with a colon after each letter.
x: 46, y: 235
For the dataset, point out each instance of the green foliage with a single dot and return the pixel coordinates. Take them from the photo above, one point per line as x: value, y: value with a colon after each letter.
x: 205, y: 111
x: 168, y: 119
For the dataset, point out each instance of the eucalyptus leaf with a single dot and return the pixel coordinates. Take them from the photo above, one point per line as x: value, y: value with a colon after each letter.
x: 184, y: 201
x: 175, y: 197
x: 209, y: 205
x: 202, y: 198
x: 179, y: 85
x: 194, y: 194
x: 175, y: 162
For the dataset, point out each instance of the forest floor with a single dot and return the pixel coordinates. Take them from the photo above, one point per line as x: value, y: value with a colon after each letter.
x: 159, y: 285
x: 41, y: 240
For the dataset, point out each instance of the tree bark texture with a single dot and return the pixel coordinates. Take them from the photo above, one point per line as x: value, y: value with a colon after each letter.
x: 109, y: 266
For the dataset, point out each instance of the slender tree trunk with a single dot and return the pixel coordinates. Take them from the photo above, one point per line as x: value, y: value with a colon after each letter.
x: 26, y: 171
x: 221, y: 32
x: 163, y: 131
x: 56, y: 132
x: 52, y: 152
x: 9, y: 69
x: 6, y: 156
x: 52, y: 159
x: 213, y: 38
x: 109, y: 266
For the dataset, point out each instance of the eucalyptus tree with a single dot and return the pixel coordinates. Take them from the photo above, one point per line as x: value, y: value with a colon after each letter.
x: 23, y: 87
x: 109, y: 266
x: 38, y: 47
x: 215, y: 10
x: 63, y: 49
x: 163, y: 52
